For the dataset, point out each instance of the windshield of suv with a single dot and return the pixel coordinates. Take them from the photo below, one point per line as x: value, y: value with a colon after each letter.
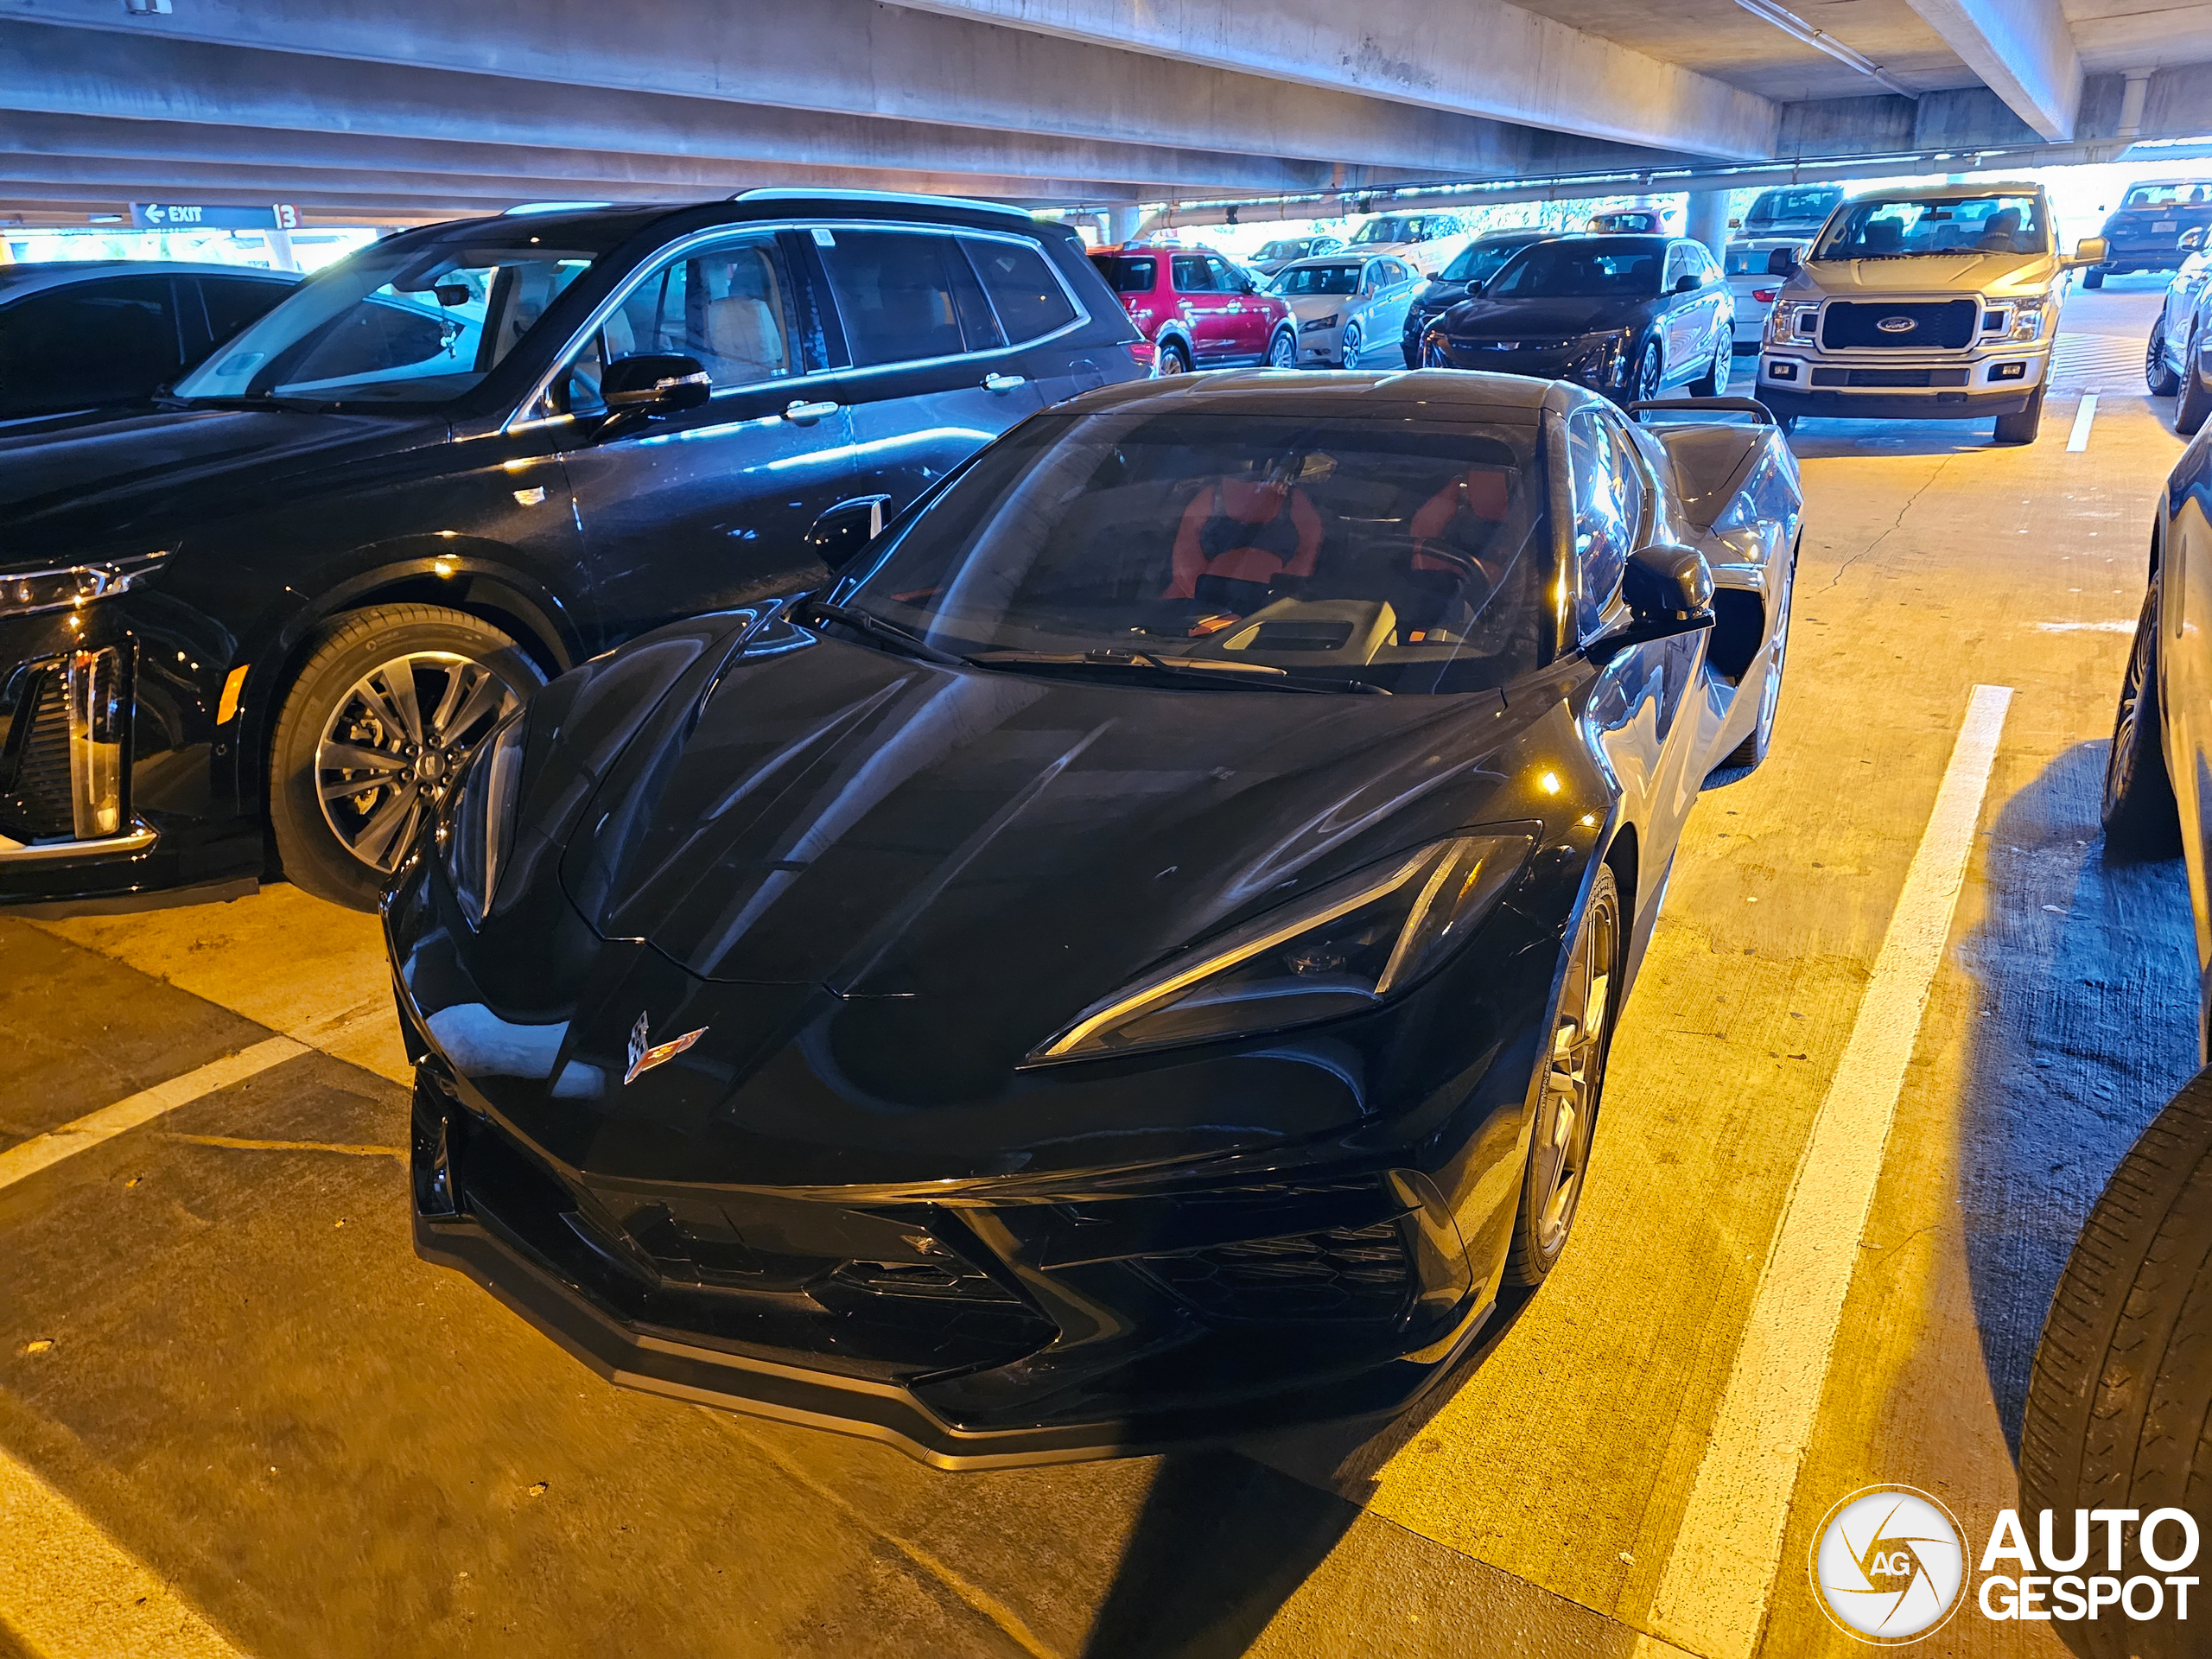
x: 1346, y: 553
x: 1479, y: 261
x: 1793, y: 206
x: 1318, y: 279
x: 2169, y: 195
x: 416, y: 321
x: 1582, y: 268
x: 1884, y: 228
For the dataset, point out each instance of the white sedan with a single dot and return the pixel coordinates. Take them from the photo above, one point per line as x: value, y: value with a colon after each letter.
x: 1347, y: 309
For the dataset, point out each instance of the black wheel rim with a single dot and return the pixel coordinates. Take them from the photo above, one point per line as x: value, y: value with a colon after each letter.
x: 2152, y: 363
x: 2120, y: 762
x: 392, y: 746
x: 1574, y: 1074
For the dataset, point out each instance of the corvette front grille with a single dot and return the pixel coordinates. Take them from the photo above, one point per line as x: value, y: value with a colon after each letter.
x: 1349, y: 1274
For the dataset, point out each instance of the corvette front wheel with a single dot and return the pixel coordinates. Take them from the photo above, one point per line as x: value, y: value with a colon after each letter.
x: 1569, y: 1080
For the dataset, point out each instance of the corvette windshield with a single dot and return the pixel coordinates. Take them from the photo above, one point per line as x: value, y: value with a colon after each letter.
x: 1880, y: 228
x: 416, y: 322
x: 1344, y: 554
x: 1582, y: 268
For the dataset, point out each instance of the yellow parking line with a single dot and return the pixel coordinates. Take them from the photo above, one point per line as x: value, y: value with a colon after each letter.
x: 1712, y: 1594
x: 40, y: 1151
x: 68, y: 1589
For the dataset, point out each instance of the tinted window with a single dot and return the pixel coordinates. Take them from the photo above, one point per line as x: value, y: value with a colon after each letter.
x: 1127, y: 273
x: 1409, y: 554
x: 1582, y: 268
x: 1479, y: 261
x: 1319, y: 279
x: 899, y: 293
x: 1026, y: 293
x: 233, y: 302
x: 1793, y: 206
x: 2168, y: 195
x: 1225, y: 281
x: 1189, y: 273
x: 1608, y: 510
x: 91, y: 343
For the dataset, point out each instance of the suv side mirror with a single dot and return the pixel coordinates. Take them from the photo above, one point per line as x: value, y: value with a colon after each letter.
x: 1783, y: 262
x: 1668, y: 588
x: 657, y: 384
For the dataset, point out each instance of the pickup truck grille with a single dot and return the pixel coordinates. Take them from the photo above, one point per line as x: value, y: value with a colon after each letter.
x: 1937, y: 324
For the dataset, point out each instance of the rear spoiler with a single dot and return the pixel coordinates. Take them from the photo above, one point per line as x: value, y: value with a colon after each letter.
x: 1699, y: 407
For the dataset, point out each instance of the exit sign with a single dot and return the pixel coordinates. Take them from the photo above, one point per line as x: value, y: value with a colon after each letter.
x: 191, y: 216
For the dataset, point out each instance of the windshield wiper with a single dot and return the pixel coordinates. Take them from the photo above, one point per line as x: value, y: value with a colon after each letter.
x: 257, y: 400
x: 876, y: 627
x: 1255, y: 677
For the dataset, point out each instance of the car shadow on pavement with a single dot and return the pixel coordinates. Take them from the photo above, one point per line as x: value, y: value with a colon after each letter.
x: 1827, y: 439
x: 1226, y: 1536
x: 2084, y: 1022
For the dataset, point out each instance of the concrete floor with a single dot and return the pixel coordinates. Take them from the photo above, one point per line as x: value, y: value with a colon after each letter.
x: 216, y: 1346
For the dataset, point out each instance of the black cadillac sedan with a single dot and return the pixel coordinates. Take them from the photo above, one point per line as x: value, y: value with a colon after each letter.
x: 1133, y: 962
x: 256, y: 630
x: 1627, y: 315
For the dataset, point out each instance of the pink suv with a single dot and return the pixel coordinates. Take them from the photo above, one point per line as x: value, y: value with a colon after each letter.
x: 1198, y: 310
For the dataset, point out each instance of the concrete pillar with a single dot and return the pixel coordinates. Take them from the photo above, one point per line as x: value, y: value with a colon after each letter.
x: 2131, y: 103
x: 1706, y: 219
x: 1121, y: 223
x: 281, y: 256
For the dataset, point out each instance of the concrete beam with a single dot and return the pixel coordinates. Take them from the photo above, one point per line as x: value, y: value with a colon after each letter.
x: 1487, y: 58
x: 856, y: 57
x: 2023, y: 49
x: 75, y: 73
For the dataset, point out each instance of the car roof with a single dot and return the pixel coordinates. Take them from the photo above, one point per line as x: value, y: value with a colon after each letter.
x: 751, y: 207
x: 1945, y: 191
x: 1391, y: 394
x: 1346, y: 257
x: 18, y: 280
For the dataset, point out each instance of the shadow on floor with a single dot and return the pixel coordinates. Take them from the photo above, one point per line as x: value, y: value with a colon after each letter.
x: 2085, y: 1024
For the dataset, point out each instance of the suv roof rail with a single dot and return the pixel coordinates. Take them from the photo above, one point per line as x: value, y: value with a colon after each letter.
x: 552, y: 207
x: 793, y: 193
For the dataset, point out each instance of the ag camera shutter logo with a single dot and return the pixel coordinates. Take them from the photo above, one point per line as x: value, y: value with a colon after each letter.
x: 1888, y: 1564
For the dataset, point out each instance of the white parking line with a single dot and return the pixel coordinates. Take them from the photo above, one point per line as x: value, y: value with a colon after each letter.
x: 1713, y: 1593
x: 2079, y: 439
x: 28, y: 1157
x: 68, y: 1589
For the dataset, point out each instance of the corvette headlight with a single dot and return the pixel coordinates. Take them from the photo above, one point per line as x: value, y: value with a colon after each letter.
x: 1314, y: 326
x: 1340, y: 949
x: 71, y: 587
x: 480, y: 833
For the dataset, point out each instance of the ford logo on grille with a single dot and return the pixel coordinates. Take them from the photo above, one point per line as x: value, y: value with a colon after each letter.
x: 1897, y: 325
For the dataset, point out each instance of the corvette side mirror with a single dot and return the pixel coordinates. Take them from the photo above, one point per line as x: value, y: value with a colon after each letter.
x: 1668, y: 588
x: 656, y: 383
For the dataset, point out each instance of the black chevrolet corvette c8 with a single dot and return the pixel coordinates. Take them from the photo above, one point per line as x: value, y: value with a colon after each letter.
x: 1131, y: 964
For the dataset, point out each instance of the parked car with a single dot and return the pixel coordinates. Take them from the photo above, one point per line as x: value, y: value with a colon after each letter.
x: 2123, y: 1379
x: 2145, y: 231
x: 1790, y: 212
x: 1344, y: 307
x: 1198, y: 310
x: 1748, y: 266
x: 83, y: 339
x: 1933, y: 302
x: 1274, y: 256
x: 1474, y: 265
x: 456, y: 464
x: 1039, y: 1001
x: 2175, y: 361
x: 1627, y: 315
x: 1629, y: 221
x: 1426, y: 241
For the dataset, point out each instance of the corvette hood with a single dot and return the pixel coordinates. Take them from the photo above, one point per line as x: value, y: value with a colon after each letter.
x: 884, y: 827
x: 145, y: 477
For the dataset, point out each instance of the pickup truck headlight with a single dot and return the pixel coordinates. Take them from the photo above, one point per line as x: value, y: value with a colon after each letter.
x: 1781, y: 323
x: 481, y: 833
x: 1343, y: 948
x: 1313, y: 326
x: 72, y: 586
x: 2027, y: 319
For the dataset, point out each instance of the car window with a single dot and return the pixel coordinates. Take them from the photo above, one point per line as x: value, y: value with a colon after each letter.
x: 91, y: 343
x: 1678, y: 261
x: 2169, y: 195
x: 1024, y: 290
x: 1189, y: 273
x: 1318, y: 279
x: 1608, y: 511
x: 728, y: 305
x: 1127, y: 273
x: 905, y: 296
x: 1479, y: 261
x: 234, y: 301
x: 1876, y: 227
x: 1581, y: 268
x: 1225, y: 281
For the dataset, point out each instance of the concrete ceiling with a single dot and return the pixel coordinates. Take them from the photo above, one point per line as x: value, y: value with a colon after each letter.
x: 420, y: 107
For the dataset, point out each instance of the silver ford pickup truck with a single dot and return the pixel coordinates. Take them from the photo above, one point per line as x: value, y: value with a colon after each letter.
x: 1935, y: 303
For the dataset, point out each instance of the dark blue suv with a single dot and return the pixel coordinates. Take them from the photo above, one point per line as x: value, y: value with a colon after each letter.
x: 465, y: 459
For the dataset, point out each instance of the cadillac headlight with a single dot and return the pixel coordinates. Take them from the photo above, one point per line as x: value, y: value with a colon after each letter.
x: 1340, y: 950
x: 1315, y: 324
x: 72, y: 586
x: 480, y: 833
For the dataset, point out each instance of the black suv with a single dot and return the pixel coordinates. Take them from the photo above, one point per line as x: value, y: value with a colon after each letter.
x: 458, y: 463
x: 1474, y: 265
x: 81, y: 338
x: 2145, y: 231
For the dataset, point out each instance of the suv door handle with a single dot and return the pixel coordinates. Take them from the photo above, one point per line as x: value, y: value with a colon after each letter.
x: 800, y: 413
x: 1003, y: 382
